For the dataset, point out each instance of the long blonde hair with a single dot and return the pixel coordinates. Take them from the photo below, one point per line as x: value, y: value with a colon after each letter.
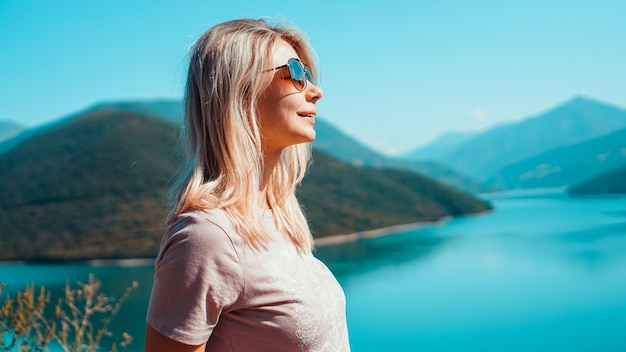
x: 224, y: 153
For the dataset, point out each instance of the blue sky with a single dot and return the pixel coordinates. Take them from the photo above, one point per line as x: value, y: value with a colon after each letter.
x: 396, y: 74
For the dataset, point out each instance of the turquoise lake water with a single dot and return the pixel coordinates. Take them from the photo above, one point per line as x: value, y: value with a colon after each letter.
x: 543, y: 272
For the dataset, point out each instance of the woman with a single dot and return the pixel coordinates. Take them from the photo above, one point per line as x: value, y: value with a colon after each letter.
x: 235, y: 270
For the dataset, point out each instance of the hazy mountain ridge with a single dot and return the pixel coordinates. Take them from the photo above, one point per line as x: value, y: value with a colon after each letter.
x: 10, y: 129
x: 335, y: 142
x: 92, y: 187
x: 575, y: 121
x: 439, y: 147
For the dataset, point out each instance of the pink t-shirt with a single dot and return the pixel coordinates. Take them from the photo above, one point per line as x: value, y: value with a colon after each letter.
x: 209, y: 286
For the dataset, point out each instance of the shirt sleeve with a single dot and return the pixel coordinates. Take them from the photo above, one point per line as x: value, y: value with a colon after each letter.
x: 198, y: 275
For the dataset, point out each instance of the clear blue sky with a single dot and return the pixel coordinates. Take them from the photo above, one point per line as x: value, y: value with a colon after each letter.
x: 396, y: 74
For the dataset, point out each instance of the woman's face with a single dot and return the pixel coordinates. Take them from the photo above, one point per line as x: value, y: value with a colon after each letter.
x: 286, y: 115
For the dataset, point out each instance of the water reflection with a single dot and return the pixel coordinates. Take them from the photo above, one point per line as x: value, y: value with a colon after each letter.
x: 596, y: 234
x: 361, y: 256
x: 540, y: 273
x: 115, y: 280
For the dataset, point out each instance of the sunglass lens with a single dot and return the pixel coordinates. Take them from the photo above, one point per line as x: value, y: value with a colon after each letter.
x: 309, y: 76
x: 298, y: 74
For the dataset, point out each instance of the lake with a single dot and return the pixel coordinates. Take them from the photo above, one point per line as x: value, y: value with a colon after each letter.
x: 543, y: 272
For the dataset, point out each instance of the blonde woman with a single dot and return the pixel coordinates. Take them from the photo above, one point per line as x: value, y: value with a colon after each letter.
x: 235, y: 271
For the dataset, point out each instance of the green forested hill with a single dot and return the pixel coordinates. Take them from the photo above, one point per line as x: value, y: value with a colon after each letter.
x: 340, y: 198
x: 92, y: 187
x: 566, y: 165
x: 612, y: 182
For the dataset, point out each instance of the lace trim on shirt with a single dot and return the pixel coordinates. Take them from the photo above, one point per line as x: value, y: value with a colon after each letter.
x: 318, y: 300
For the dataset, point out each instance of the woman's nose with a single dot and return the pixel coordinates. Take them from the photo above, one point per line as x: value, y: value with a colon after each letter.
x: 313, y: 92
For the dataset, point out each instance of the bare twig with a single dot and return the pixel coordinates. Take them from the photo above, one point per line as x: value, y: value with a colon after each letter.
x: 25, y: 324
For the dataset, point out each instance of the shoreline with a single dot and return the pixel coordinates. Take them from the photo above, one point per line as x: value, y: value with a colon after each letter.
x: 389, y: 230
x: 318, y: 242
x: 121, y: 262
x: 91, y: 262
x: 322, y: 241
x: 374, y: 233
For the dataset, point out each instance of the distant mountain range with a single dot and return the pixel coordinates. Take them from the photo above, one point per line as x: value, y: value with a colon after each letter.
x: 91, y: 186
x: 440, y: 147
x: 333, y: 141
x: 573, y: 141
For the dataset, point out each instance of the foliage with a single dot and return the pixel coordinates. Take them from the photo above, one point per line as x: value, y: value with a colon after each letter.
x: 91, y: 187
x: 27, y: 322
x: 21, y: 323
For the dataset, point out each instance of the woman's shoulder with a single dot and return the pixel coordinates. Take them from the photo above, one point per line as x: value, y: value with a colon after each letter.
x: 215, y: 216
x: 211, y: 228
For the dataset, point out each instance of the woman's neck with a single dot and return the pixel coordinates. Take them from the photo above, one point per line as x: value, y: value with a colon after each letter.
x: 269, y: 163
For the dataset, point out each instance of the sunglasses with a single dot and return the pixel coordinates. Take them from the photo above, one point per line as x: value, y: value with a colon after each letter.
x: 299, y: 73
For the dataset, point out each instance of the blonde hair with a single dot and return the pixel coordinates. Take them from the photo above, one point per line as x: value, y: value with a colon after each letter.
x: 225, y: 158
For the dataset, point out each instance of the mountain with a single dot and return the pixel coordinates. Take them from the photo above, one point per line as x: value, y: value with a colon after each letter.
x: 611, y: 182
x: 334, y: 142
x: 565, y: 166
x: 169, y: 110
x: 10, y: 143
x: 9, y: 129
x: 575, y: 121
x: 439, y: 147
x: 330, y: 140
x: 92, y: 187
x: 444, y: 174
